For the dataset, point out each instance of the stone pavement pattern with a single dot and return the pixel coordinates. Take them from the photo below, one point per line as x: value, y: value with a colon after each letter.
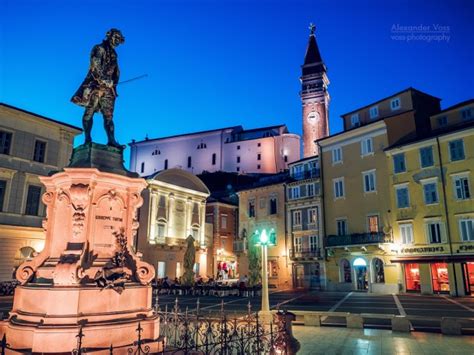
x: 330, y: 341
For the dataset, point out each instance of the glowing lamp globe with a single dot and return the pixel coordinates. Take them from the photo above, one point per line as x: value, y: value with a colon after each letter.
x: 264, y: 237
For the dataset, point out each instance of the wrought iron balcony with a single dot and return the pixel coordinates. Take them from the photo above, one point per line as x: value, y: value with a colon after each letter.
x: 358, y: 239
x: 305, y: 253
x: 240, y: 246
x: 308, y: 174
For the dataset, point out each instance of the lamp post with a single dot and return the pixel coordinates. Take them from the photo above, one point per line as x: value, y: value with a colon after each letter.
x: 264, y: 241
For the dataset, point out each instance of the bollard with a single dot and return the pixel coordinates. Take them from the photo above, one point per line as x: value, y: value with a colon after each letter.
x: 451, y: 326
x: 355, y: 321
x: 312, y: 320
x: 400, y: 324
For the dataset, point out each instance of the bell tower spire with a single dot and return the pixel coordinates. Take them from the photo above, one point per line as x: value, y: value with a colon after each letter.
x: 314, y: 96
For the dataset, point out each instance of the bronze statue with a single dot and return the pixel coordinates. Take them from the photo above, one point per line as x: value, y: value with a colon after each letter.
x: 98, y: 90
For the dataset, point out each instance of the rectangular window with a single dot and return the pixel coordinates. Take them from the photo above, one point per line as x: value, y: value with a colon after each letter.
x: 355, y: 120
x: 238, y: 147
x: 337, y: 155
x: 161, y: 231
x: 341, y: 225
x: 238, y: 159
x: 312, y: 216
x: 189, y: 162
x: 214, y: 159
x: 403, y: 197
x: 366, y: 146
x: 466, y: 226
x: 426, y: 157
x: 165, y: 167
x: 434, y: 232
x: 310, y: 188
x: 369, y: 181
x: 338, y: 188
x: 395, y: 104
x: 373, y: 224
x: 142, y: 167
x: 297, y: 218
x: 33, y: 200
x: 252, y: 208
x: 406, y: 232
x: 461, y: 188
x: 467, y: 114
x: 430, y: 192
x: 399, y: 163
x: 298, y: 244
x: 374, y: 112
x: 313, y: 242
x: 295, y: 192
x: 259, y: 156
x: 442, y: 121
x: 40, y: 151
x: 273, y: 205
x: 456, y: 150
x: 224, y: 221
x: 5, y: 142
x: 3, y: 191
x: 258, y: 166
x: 160, y: 272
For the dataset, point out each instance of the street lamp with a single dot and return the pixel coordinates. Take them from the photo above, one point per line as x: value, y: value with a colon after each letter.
x: 264, y: 241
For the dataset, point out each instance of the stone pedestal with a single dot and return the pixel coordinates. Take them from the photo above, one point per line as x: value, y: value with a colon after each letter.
x: 88, y: 274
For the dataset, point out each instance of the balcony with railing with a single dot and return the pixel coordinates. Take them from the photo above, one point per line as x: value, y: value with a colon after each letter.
x: 358, y: 239
x: 307, y: 174
x: 305, y: 253
x: 240, y: 246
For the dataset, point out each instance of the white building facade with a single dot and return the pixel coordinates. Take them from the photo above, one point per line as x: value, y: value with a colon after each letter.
x: 232, y: 149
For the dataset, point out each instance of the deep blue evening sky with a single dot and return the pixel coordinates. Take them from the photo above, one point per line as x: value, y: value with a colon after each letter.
x: 221, y: 63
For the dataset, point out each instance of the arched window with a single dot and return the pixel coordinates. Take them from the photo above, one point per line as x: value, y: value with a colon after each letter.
x: 379, y: 275
x: 26, y: 253
x: 346, y: 275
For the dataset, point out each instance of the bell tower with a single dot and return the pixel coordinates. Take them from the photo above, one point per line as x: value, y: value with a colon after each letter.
x: 314, y: 97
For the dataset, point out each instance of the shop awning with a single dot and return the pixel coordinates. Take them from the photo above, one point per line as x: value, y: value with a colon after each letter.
x: 433, y: 259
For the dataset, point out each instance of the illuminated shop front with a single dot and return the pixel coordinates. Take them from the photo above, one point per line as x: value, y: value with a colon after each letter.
x: 439, y: 277
x: 412, y: 277
x: 468, y: 273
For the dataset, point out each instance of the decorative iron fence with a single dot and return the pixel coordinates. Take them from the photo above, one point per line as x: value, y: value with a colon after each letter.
x: 7, y: 288
x: 358, y: 239
x: 193, y: 332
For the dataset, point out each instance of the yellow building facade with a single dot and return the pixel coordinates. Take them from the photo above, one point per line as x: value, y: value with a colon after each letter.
x: 432, y: 216
x: 356, y: 191
x: 263, y: 207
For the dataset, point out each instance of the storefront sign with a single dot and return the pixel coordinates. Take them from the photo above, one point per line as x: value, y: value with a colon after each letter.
x: 466, y: 248
x: 422, y: 250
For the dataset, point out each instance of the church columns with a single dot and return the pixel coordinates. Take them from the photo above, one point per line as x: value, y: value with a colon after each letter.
x: 189, y: 217
x: 202, y: 222
x: 171, y: 216
x: 153, y: 208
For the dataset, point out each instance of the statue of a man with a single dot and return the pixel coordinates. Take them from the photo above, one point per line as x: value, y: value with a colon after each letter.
x: 98, y: 90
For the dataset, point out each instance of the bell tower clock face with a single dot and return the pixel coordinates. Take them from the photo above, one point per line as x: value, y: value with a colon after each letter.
x: 313, y: 117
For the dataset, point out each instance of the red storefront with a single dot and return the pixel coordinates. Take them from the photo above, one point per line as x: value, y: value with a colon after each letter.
x: 416, y: 269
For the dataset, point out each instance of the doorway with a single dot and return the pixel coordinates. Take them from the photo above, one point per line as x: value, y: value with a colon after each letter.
x: 360, y: 270
x: 299, y: 276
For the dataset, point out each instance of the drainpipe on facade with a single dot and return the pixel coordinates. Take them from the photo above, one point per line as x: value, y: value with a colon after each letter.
x: 321, y: 197
x: 443, y: 184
